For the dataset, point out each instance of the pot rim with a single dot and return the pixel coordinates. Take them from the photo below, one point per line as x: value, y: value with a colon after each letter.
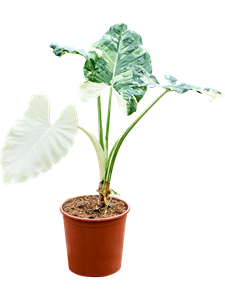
x: 94, y: 220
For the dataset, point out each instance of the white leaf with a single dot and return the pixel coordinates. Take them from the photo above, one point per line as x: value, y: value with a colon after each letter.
x: 33, y: 145
x: 122, y: 102
x: 91, y: 90
x: 101, y: 155
x: 211, y: 94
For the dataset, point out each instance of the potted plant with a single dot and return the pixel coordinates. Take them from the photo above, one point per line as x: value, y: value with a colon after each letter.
x: 94, y: 224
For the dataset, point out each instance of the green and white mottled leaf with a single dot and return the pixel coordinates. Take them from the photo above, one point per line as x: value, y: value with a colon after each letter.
x: 149, y: 80
x: 179, y: 87
x: 60, y: 50
x: 211, y: 94
x: 113, y: 60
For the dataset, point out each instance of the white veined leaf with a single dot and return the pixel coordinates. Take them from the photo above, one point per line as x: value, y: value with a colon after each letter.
x: 110, y: 61
x: 100, y: 153
x: 33, y: 145
x: 91, y: 90
x: 210, y: 93
x: 60, y: 50
x: 179, y: 87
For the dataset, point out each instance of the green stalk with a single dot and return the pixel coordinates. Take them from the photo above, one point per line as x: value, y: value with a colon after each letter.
x: 115, y: 149
x: 108, y: 119
x: 100, y: 127
x: 107, y: 129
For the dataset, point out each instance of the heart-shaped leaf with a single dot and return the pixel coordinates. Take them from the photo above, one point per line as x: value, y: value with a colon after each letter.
x: 33, y: 145
x: 113, y: 60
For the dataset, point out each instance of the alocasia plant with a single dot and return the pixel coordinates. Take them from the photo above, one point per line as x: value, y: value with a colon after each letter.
x: 117, y: 62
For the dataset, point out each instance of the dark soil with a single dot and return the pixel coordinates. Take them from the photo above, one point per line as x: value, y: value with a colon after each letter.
x: 90, y: 207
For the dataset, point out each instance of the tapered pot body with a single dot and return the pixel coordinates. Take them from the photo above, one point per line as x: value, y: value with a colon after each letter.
x: 94, y: 246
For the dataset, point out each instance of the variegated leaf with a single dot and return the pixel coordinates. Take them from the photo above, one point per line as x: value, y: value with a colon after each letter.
x: 60, y: 50
x: 113, y: 60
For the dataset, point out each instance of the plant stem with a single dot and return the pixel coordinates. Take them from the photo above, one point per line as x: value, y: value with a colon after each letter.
x: 101, y: 142
x: 107, y: 129
x: 100, y: 127
x: 108, y: 119
x: 145, y: 111
x: 116, y: 147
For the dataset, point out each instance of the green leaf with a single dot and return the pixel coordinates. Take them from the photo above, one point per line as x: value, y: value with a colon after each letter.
x: 174, y: 85
x: 60, y: 50
x: 114, y: 60
x: 180, y: 87
x: 146, y: 78
x: 115, y: 192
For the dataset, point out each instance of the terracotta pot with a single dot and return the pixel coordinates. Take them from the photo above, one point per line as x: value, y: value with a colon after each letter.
x: 94, y: 246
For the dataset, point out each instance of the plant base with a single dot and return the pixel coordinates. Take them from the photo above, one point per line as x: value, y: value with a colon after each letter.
x: 94, y: 246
